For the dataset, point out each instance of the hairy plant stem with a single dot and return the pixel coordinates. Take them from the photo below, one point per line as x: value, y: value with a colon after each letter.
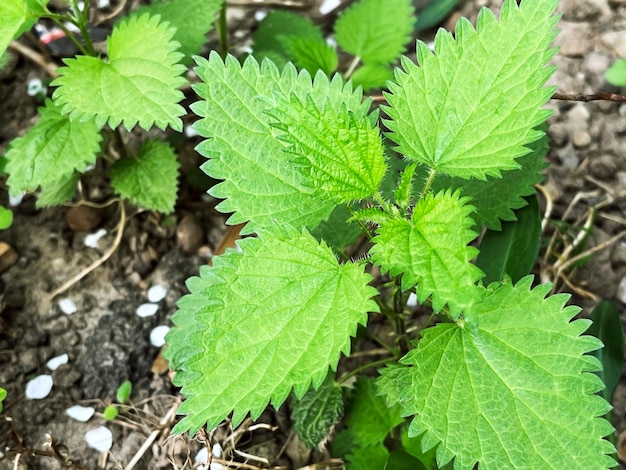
x: 81, y: 22
x: 353, y: 65
x: 360, y: 369
x: 59, y: 21
x: 223, y: 29
x: 429, y: 182
x: 364, y: 227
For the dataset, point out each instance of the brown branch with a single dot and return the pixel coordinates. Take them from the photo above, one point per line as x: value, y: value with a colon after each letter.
x: 586, y: 98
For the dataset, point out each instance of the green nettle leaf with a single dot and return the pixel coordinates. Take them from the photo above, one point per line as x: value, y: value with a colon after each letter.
x: 368, y: 458
x: 279, y: 25
x: 6, y: 218
x: 339, y: 152
x: 495, y: 199
x: 316, y: 413
x: 510, y: 386
x: 431, y: 250
x: 51, y: 150
x: 434, y: 13
x: 371, y: 76
x: 513, y: 250
x: 58, y: 192
x: 369, y: 418
x: 138, y: 84
x: 261, y: 183
x: 258, y: 323
x: 311, y: 54
x: 18, y: 16
x: 151, y: 179
x: 338, y: 231
x: 191, y: 18
x: 473, y: 121
x: 377, y: 31
x: 616, y: 74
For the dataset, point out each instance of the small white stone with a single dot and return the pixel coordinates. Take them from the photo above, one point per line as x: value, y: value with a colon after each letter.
x: 100, y: 439
x: 39, y: 387
x: 216, y: 466
x: 259, y: 15
x: 202, y: 456
x: 217, y: 450
x: 67, y: 306
x: 56, y: 362
x: 157, y: 293
x: 104, y: 3
x: 146, y: 310
x: 15, y: 201
x: 329, y: 5
x: 80, y: 413
x: 157, y: 335
x: 92, y: 239
x: 35, y: 87
x: 621, y: 290
x: 412, y: 300
x: 190, y: 131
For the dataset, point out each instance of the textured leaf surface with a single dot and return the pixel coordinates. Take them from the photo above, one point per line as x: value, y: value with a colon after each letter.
x: 18, y: 16
x: 377, y: 31
x: 431, y: 250
x: 138, y: 84
x: 513, y: 250
x: 261, y: 183
x: 495, y: 199
x: 470, y: 120
x: 192, y: 19
x: 316, y: 413
x: 150, y: 180
x: 261, y: 322
x: 339, y: 152
x: 368, y: 458
x: 510, y: 386
x: 312, y: 54
x: 371, y: 76
x: 277, y: 28
x: 51, y: 150
x: 58, y: 192
x: 369, y: 418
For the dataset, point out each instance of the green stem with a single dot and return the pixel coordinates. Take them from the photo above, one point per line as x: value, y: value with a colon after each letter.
x: 380, y: 200
x: 353, y: 65
x: 366, y: 230
x: 81, y: 22
x: 429, y: 182
x: 380, y: 362
x: 223, y: 30
x: 59, y: 20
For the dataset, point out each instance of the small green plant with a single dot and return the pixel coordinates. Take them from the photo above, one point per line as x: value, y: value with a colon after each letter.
x: 3, y: 395
x: 122, y: 395
x: 505, y: 379
x: 616, y: 74
x: 80, y: 132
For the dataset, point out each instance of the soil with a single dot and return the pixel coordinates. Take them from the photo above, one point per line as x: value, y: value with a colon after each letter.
x: 107, y: 342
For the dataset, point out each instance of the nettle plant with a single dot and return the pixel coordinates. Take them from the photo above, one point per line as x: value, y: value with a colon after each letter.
x: 97, y: 98
x: 505, y: 379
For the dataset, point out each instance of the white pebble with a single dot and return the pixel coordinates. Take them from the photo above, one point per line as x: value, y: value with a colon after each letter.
x: 329, y: 5
x: 621, y: 290
x: 67, y: 306
x: 259, y: 15
x: 92, y: 239
x: 157, y: 335
x: 56, y: 362
x: 217, y: 450
x: 146, y: 310
x: 202, y: 456
x: 15, y: 201
x: 35, y: 87
x: 39, y: 387
x: 190, y: 132
x: 157, y: 293
x: 103, y: 3
x: 100, y: 439
x: 412, y: 300
x: 80, y: 413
